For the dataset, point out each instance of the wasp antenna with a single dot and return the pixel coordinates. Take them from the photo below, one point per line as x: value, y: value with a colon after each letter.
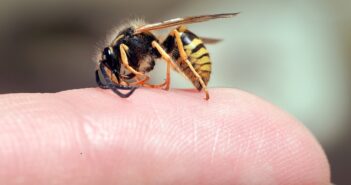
x: 98, y: 81
x: 116, y: 91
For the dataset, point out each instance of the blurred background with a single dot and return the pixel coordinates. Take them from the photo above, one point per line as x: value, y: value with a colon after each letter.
x: 295, y: 54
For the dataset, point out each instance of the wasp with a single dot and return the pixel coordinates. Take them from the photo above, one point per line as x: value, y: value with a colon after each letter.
x: 124, y: 64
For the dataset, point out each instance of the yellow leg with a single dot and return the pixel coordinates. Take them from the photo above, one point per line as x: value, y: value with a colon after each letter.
x: 140, y: 81
x: 184, y: 57
x: 143, y: 83
x: 122, y: 82
x: 155, y: 86
x: 169, y: 61
x: 123, y: 48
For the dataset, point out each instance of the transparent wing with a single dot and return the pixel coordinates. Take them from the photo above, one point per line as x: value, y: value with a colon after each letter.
x: 182, y: 21
x: 208, y: 40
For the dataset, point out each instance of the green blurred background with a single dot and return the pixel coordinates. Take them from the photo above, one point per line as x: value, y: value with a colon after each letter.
x: 295, y: 54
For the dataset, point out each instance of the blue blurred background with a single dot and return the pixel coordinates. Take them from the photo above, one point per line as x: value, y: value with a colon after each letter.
x: 296, y: 54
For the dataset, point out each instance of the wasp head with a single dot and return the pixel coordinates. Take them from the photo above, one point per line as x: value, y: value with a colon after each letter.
x: 110, y: 60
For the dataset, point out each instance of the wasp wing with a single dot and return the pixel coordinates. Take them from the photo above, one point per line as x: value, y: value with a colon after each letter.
x: 182, y: 21
x: 208, y: 40
x: 205, y: 40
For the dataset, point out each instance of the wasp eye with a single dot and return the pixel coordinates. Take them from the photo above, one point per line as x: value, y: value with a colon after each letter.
x: 107, y: 54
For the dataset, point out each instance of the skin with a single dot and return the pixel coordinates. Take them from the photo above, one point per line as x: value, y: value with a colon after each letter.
x: 91, y: 136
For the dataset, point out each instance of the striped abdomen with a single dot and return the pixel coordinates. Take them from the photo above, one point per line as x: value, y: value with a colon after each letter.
x: 197, y: 55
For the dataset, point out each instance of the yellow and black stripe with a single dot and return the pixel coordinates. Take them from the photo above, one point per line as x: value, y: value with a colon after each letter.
x: 197, y: 55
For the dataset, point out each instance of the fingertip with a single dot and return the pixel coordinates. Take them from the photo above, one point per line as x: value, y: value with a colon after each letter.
x: 162, y: 136
x: 279, y: 147
x: 294, y: 156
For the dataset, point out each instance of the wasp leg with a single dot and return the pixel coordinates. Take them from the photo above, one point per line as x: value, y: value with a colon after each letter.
x: 123, y: 50
x: 121, y: 84
x: 110, y: 85
x: 184, y: 57
x: 105, y: 86
x: 169, y: 61
x: 144, y: 84
x: 139, y: 81
x: 100, y: 83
